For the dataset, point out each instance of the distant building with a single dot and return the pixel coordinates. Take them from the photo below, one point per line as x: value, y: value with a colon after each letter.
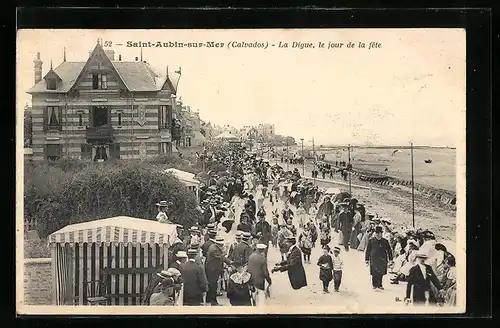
x: 102, y: 108
x: 265, y: 130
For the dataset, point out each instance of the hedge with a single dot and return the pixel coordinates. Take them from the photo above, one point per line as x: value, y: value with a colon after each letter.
x: 60, y: 194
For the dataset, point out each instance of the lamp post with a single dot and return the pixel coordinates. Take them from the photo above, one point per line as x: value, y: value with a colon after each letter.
x: 303, y: 161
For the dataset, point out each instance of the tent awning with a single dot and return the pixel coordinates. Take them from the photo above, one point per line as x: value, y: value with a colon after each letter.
x: 120, y: 229
x: 183, y: 176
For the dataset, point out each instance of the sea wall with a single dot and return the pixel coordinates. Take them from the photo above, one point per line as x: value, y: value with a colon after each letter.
x: 444, y: 196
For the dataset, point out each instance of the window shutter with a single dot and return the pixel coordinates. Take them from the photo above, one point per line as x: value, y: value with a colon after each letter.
x: 45, y: 119
x: 159, y: 117
x: 91, y: 116
x: 60, y: 118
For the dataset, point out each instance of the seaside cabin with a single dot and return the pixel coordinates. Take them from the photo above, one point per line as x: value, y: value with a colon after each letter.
x: 108, y: 261
x: 189, y: 179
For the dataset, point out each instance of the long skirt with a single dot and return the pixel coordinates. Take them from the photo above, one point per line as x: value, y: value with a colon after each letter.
x: 363, y: 242
x: 354, y: 242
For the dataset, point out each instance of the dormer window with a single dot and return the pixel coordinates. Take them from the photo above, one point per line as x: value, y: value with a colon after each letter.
x: 99, y: 81
x: 51, y: 84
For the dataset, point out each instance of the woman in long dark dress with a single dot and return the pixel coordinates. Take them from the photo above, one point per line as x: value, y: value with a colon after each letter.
x: 239, y: 287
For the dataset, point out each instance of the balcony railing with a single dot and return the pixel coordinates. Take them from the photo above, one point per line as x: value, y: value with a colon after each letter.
x: 104, y: 133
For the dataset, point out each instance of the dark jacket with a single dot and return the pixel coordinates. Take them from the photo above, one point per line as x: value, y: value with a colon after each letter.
x: 176, y: 247
x: 214, y: 263
x: 265, y: 228
x: 244, y: 227
x: 252, y: 205
x: 378, y: 253
x: 257, y: 266
x: 346, y: 222
x: 242, y: 252
x: 195, y: 282
x: 293, y: 264
x: 206, y: 246
x: 421, y: 284
x: 325, y: 274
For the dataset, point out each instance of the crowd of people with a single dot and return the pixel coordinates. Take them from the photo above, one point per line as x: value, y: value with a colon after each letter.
x: 226, y: 252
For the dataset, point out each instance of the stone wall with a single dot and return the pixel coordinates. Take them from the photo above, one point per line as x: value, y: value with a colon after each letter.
x: 38, y: 281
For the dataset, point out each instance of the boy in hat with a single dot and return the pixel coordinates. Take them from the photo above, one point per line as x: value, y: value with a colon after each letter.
x: 325, y: 263
x: 337, y: 268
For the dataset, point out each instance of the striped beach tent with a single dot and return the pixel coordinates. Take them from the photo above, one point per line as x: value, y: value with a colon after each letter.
x: 114, y: 258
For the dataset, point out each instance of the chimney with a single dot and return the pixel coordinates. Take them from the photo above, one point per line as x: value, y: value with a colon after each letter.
x: 38, y: 68
x: 119, y: 57
x: 110, y: 54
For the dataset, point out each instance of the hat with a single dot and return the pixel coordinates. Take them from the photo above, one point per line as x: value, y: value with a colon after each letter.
x: 387, y: 220
x: 261, y: 214
x: 238, y: 234
x: 179, y: 226
x: 237, y: 264
x: 370, y: 215
x: 336, y: 249
x: 164, y: 274
x: 192, y: 251
x: 167, y: 282
x: 291, y: 238
x: 261, y: 246
x: 212, y: 232
x: 181, y: 254
x: 194, y: 229
x: 194, y: 246
x: 326, y: 247
x: 246, y: 235
x: 219, y: 240
x: 210, y: 225
x: 344, y: 204
x: 174, y: 272
x: 421, y: 255
x: 226, y: 204
x: 378, y: 229
x: 162, y: 203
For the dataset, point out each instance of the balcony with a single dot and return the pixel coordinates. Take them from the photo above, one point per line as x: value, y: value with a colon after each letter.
x: 100, y: 134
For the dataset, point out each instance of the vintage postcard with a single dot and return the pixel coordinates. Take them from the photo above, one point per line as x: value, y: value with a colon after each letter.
x: 266, y: 171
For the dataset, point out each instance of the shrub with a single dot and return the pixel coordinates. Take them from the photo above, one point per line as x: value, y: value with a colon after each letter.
x: 56, y: 198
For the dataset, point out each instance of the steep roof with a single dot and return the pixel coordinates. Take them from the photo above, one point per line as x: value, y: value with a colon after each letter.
x: 136, y: 75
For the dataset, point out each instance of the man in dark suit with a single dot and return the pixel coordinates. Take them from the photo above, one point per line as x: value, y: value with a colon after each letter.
x: 214, y: 266
x: 211, y: 240
x: 195, y: 281
x: 420, y: 278
x: 243, y: 250
x: 181, y: 257
x: 265, y: 229
x: 257, y: 266
x: 293, y: 264
x: 346, y: 222
x: 251, y: 204
x: 378, y: 255
x: 177, y: 245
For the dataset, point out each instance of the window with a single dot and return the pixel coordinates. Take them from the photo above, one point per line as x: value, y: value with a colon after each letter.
x: 51, y: 84
x: 188, y: 142
x: 53, y: 117
x: 53, y: 152
x: 99, y: 116
x: 99, y: 81
x: 164, y: 119
x: 80, y: 119
x: 164, y: 147
x: 119, y: 119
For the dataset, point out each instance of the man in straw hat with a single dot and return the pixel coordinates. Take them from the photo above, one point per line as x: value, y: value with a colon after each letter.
x: 210, y: 241
x: 420, y: 278
x: 162, y: 212
x: 181, y: 257
x: 257, y: 266
x: 293, y: 264
x: 378, y: 256
x: 214, y: 267
x: 195, y: 281
x: 243, y: 250
x: 154, y: 282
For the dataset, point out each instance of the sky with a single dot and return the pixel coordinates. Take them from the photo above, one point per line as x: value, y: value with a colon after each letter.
x: 410, y: 89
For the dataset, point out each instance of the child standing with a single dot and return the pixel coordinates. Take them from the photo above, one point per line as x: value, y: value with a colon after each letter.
x: 337, y: 268
x: 325, y: 263
x: 274, y: 232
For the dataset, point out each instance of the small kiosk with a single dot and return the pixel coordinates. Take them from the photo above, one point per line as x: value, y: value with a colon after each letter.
x: 110, y: 260
x: 188, y: 179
